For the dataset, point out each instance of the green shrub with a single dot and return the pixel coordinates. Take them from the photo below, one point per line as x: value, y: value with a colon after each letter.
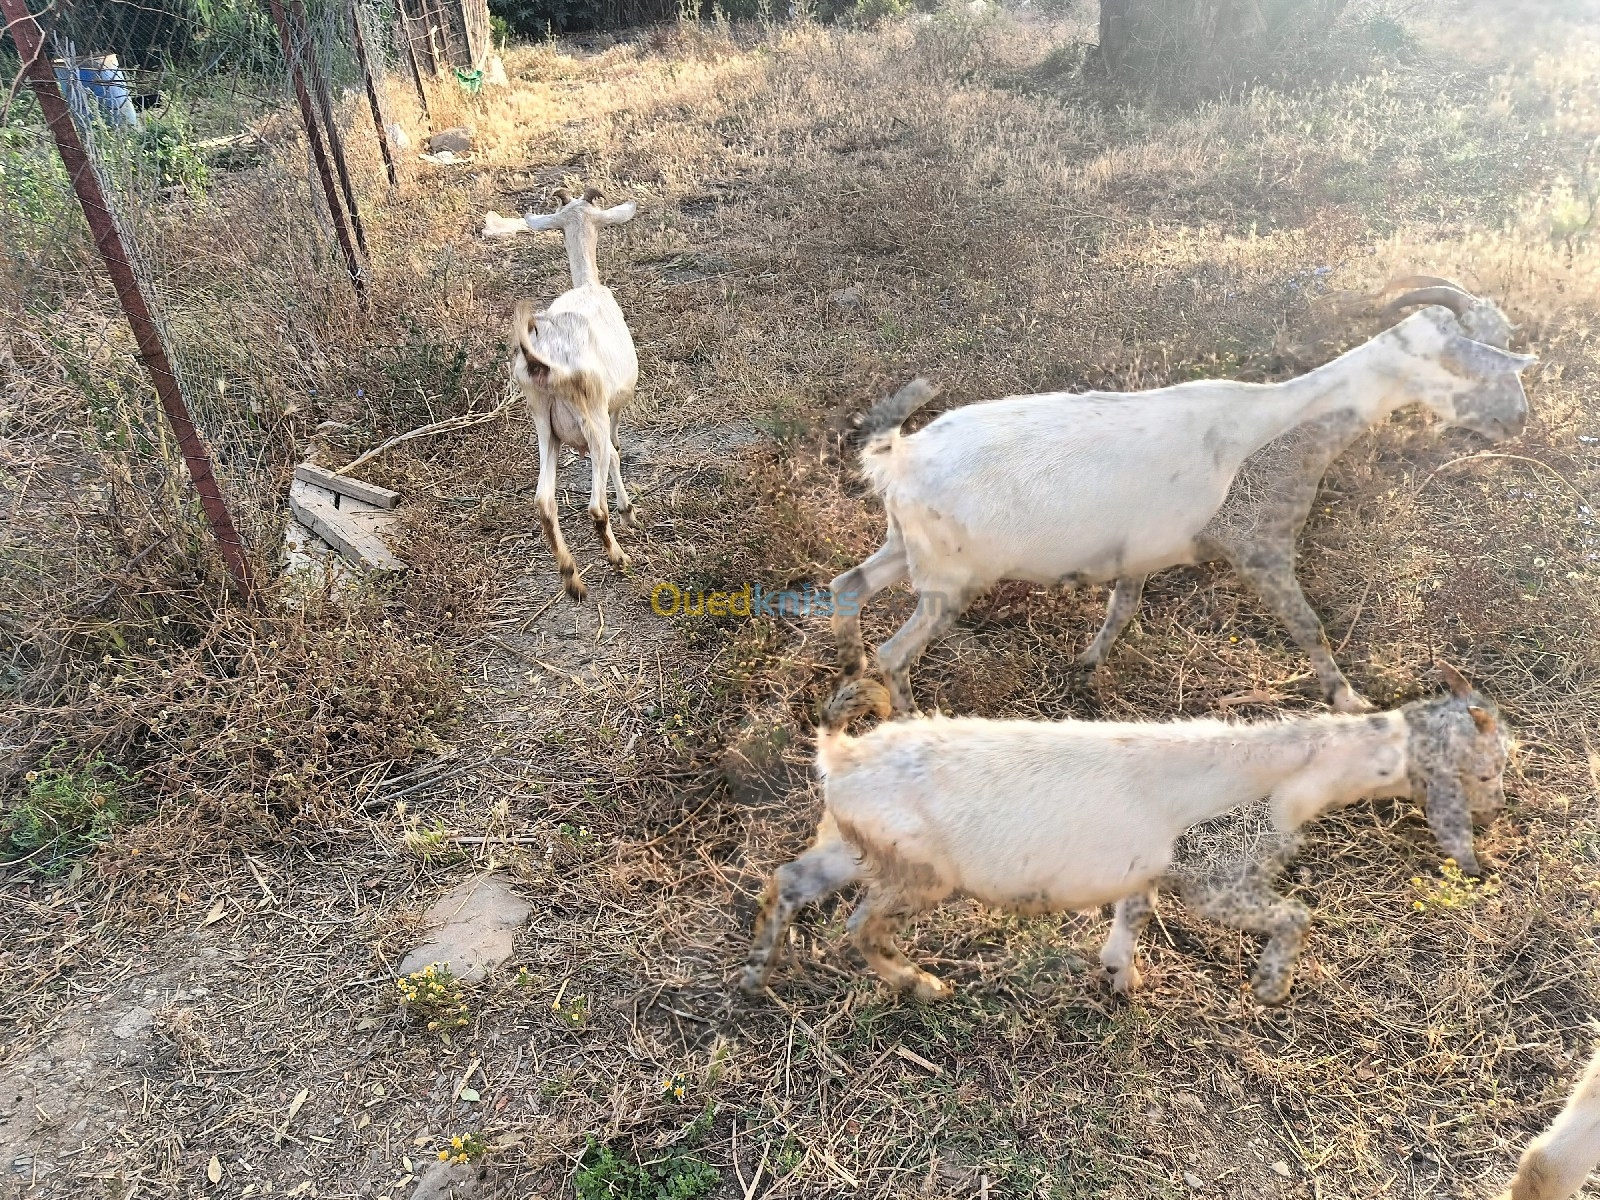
x: 165, y: 149
x: 603, y: 1174
x: 63, y: 811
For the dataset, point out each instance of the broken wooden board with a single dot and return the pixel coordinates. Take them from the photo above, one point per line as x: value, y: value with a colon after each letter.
x: 367, y: 493
x: 352, y: 527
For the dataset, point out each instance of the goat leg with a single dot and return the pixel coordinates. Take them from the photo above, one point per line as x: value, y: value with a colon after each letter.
x: 545, y: 501
x: 873, y: 926
x: 829, y: 865
x: 600, y: 451
x: 624, y: 511
x: 886, y: 567
x: 1270, y: 571
x: 1246, y: 903
x: 1123, y: 604
x: 1133, y: 913
x: 936, y: 612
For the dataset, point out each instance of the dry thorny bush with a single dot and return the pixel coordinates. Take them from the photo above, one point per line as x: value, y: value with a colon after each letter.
x: 824, y: 214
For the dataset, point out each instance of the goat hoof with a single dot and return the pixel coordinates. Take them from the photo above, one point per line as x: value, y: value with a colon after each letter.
x: 1348, y: 701
x: 621, y: 562
x: 752, y: 982
x: 931, y: 988
x: 1126, y: 980
x: 574, y: 586
x: 1270, y: 994
x: 628, y: 516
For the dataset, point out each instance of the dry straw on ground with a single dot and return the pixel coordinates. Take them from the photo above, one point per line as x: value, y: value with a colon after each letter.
x: 823, y: 214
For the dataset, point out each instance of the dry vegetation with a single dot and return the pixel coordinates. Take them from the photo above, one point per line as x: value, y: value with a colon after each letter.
x: 824, y: 213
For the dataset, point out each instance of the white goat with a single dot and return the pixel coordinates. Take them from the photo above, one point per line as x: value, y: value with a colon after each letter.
x: 1079, y: 489
x: 575, y: 363
x: 1068, y: 815
x: 1556, y: 1163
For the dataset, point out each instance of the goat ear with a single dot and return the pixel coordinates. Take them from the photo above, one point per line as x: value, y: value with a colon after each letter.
x: 1482, y: 718
x: 563, y: 196
x: 1472, y: 358
x: 542, y: 221
x: 1456, y: 681
x: 617, y: 215
x: 591, y: 194
x: 1450, y: 818
x: 496, y: 226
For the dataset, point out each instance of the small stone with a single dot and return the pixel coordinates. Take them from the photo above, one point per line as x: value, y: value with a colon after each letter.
x: 135, y: 1023
x: 848, y: 298
x: 1282, y: 1168
x: 470, y: 929
x: 1194, y: 1181
x: 457, y: 140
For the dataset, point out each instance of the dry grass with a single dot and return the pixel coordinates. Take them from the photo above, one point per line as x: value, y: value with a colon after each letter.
x: 641, y: 776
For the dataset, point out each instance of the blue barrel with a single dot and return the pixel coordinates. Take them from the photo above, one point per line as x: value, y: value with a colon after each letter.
x: 101, y: 77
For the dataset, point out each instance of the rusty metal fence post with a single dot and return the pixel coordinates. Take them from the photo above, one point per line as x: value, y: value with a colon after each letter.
x: 330, y: 127
x: 293, y: 44
x: 40, y: 74
x: 372, y: 92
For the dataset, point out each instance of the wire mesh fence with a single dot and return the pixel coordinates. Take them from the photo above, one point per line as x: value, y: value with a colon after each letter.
x: 230, y: 148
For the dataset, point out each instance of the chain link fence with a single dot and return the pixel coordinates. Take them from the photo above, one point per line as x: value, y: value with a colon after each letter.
x: 229, y: 150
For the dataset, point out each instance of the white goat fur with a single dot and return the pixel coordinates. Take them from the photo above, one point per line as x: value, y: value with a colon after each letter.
x: 1556, y: 1163
x: 1070, y: 815
x: 1065, y: 488
x: 575, y: 363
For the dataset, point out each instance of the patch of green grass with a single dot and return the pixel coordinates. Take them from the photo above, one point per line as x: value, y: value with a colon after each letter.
x: 63, y: 811
x: 605, y: 1174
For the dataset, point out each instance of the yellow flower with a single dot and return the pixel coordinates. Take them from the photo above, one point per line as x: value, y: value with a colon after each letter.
x: 444, y: 1156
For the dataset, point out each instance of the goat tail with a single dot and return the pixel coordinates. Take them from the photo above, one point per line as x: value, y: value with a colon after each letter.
x: 522, y: 322
x: 854, y: 698
x: 1557, y: 1162
x: 883, y: 420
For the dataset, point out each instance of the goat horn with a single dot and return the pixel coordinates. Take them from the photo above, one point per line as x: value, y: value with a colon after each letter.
x: 564, y: 196
x: 591, y: 194
x: 1406, y: 283
x: 1453, y: 298
x: 1457, y: 682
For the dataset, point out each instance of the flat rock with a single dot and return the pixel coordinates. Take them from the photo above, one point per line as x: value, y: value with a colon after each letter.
x: 442, y: 1181
x: 470, y: 929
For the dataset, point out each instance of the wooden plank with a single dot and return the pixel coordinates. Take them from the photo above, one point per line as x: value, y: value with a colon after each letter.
x: 353, y: 534
x: 369, y: 493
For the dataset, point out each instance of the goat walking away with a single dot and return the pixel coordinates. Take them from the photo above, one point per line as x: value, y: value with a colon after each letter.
x: 1079, y: 489
x: 1556, y: 1163
x: 575, y: 363
x: 1037, y: 816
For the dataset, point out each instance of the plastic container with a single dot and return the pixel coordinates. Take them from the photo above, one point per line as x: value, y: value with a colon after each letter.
x: 100, y: 78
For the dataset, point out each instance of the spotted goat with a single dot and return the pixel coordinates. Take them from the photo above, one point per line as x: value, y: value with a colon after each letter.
x: 575, y: 364
x: 1079, y: 489
x: 1038, y: 816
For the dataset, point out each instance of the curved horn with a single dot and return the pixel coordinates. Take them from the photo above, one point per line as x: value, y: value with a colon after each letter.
x: 1456, y: 681
x: 1453, y: 298
x: 591, y: 194
x: 1406, y: 283
x: 563, y: 196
